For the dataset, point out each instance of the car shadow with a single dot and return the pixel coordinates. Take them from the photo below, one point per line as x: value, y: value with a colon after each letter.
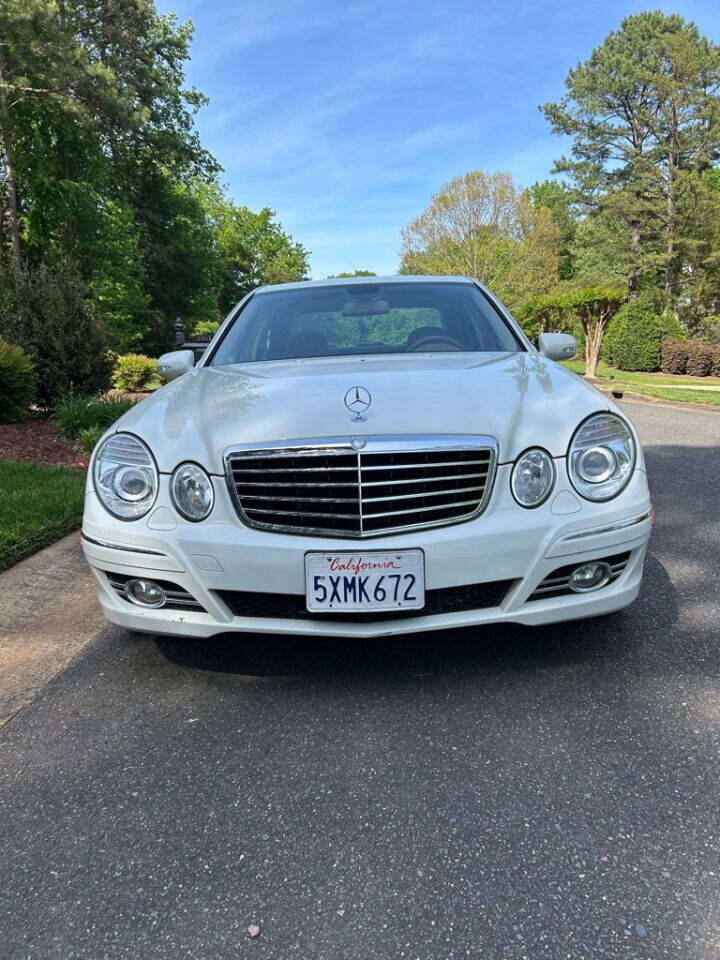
x: 482, y: 650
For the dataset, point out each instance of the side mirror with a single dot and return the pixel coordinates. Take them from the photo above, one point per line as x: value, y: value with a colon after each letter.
x: 557, y: 346
x: 170, y: 366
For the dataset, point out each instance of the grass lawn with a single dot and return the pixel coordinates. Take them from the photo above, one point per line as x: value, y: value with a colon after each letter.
x: 663, y: 386
x: 38, y: 505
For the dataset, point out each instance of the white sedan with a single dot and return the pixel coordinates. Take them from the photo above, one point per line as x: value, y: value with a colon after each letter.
x: 367, y: 457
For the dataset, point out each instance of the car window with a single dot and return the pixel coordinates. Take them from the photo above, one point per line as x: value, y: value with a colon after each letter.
x: 357, y: 319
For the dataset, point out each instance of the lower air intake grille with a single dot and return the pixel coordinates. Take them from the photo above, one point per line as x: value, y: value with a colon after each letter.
x: 557, y: 583
x: 330, y: 488
x: 475, y: 596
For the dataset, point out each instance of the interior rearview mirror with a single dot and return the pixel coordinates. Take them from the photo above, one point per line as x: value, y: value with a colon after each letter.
x: 557, y: 346
x: 170, y: 366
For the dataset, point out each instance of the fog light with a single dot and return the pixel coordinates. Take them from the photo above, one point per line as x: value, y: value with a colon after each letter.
x: 590, y: 576
x: 145, y: 593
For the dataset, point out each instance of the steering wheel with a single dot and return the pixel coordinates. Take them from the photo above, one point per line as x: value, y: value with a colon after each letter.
x: 420, y: 344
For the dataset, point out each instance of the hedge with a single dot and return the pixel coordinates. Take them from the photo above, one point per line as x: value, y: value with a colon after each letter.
x: 699, y: 359
x: 674, y: 356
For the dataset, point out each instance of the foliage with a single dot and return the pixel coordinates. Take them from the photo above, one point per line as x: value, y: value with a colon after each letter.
x: 634, y: 339
x: 483, y: 226
x: 38, y: 505
x: 89, y: 437
x: 252, y: 249
x: 76, y: 413
x: 715, y: 369
x: 699, y: 358
x: 134, y: 372
x: 206, y: 328
x: 49, y: 317
x: 559, y: 200
x: 103, y: 167
x: 643, y: 113
x: 709, y: 329
x: 593, y: 309
x: 543, y: 313
x: 673, y: 356
x: 17, y: 383
x: 355, y: 273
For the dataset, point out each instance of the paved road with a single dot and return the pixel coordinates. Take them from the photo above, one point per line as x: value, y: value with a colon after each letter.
x: 499, y: 794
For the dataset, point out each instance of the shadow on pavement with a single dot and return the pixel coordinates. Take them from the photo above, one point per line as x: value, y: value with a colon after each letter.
x: 482, y: 650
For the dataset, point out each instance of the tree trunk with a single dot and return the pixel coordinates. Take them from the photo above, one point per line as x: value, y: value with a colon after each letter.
x: 7, y: 143
x: 593, y: 342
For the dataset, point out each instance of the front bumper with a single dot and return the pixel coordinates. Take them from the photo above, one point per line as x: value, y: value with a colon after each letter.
x: 505, y: 543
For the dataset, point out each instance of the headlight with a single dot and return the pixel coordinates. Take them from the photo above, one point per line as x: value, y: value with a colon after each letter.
x: 125, y: 476
x: 533, y: 478
x: 601, y: 457
x: 192, y: 491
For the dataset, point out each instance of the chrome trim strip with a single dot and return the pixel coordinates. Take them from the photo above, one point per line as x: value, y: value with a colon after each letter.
x: 120, y: 546
x: 620, y: 525
x: 342, y: 446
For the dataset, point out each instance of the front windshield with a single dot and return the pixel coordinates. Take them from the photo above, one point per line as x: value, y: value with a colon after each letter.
x: 361, y: 319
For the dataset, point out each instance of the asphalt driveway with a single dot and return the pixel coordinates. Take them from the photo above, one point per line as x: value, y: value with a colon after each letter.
x: 500, y: 793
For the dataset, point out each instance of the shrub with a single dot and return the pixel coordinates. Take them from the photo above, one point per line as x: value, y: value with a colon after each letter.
x: 634, y: 339
x: 75, y: 413
x: 134, y: 371
x: 17, y: 383
x: 206, y: 328
x: 674, y: 356
x: 56, y: 326
x: 715, y: 369
x: 699, y: 358
x: 88, y: 438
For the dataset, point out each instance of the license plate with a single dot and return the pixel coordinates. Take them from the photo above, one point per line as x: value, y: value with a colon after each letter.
x: 360, y: 582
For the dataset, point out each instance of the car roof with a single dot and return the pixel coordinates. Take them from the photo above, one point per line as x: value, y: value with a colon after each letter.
x: 362, y: 281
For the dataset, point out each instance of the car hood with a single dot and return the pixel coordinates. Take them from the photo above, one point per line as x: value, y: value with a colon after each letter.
x: 520, y: 399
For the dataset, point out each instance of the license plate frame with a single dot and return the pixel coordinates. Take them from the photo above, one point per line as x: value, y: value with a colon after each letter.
x: 381, y: 567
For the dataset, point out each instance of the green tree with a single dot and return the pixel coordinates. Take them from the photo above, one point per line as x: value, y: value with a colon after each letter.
x: 593, y: 309
x: 481, y: 225
x: 558, y: 199
x: 643, y: 113
x: 252, y: 248
x: 355, y: 273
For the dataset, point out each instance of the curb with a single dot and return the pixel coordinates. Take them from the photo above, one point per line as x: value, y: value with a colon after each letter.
x: 50, y: 612
x: 657, y: 401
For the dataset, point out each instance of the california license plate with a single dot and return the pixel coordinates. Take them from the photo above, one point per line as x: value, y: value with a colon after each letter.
x: 362, y: 582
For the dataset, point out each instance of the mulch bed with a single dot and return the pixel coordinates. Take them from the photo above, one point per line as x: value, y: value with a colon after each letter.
x: 38, y: 440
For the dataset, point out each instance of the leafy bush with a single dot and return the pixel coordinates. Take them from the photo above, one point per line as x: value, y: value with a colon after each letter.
x: 88, y: 438
x: 699, y: 358
x: 17, y: 383
x: 134, y: 371
x: 206, y: 328
x: 715, y: 368
x: 49, y: 317
x: 75, y: 413
x: 634, y: 339
x: 674, y: 356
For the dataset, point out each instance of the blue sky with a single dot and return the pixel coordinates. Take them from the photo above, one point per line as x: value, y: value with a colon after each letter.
x: 345, y: 117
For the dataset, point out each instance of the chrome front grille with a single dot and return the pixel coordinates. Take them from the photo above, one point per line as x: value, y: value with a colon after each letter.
x: 391, y: 484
